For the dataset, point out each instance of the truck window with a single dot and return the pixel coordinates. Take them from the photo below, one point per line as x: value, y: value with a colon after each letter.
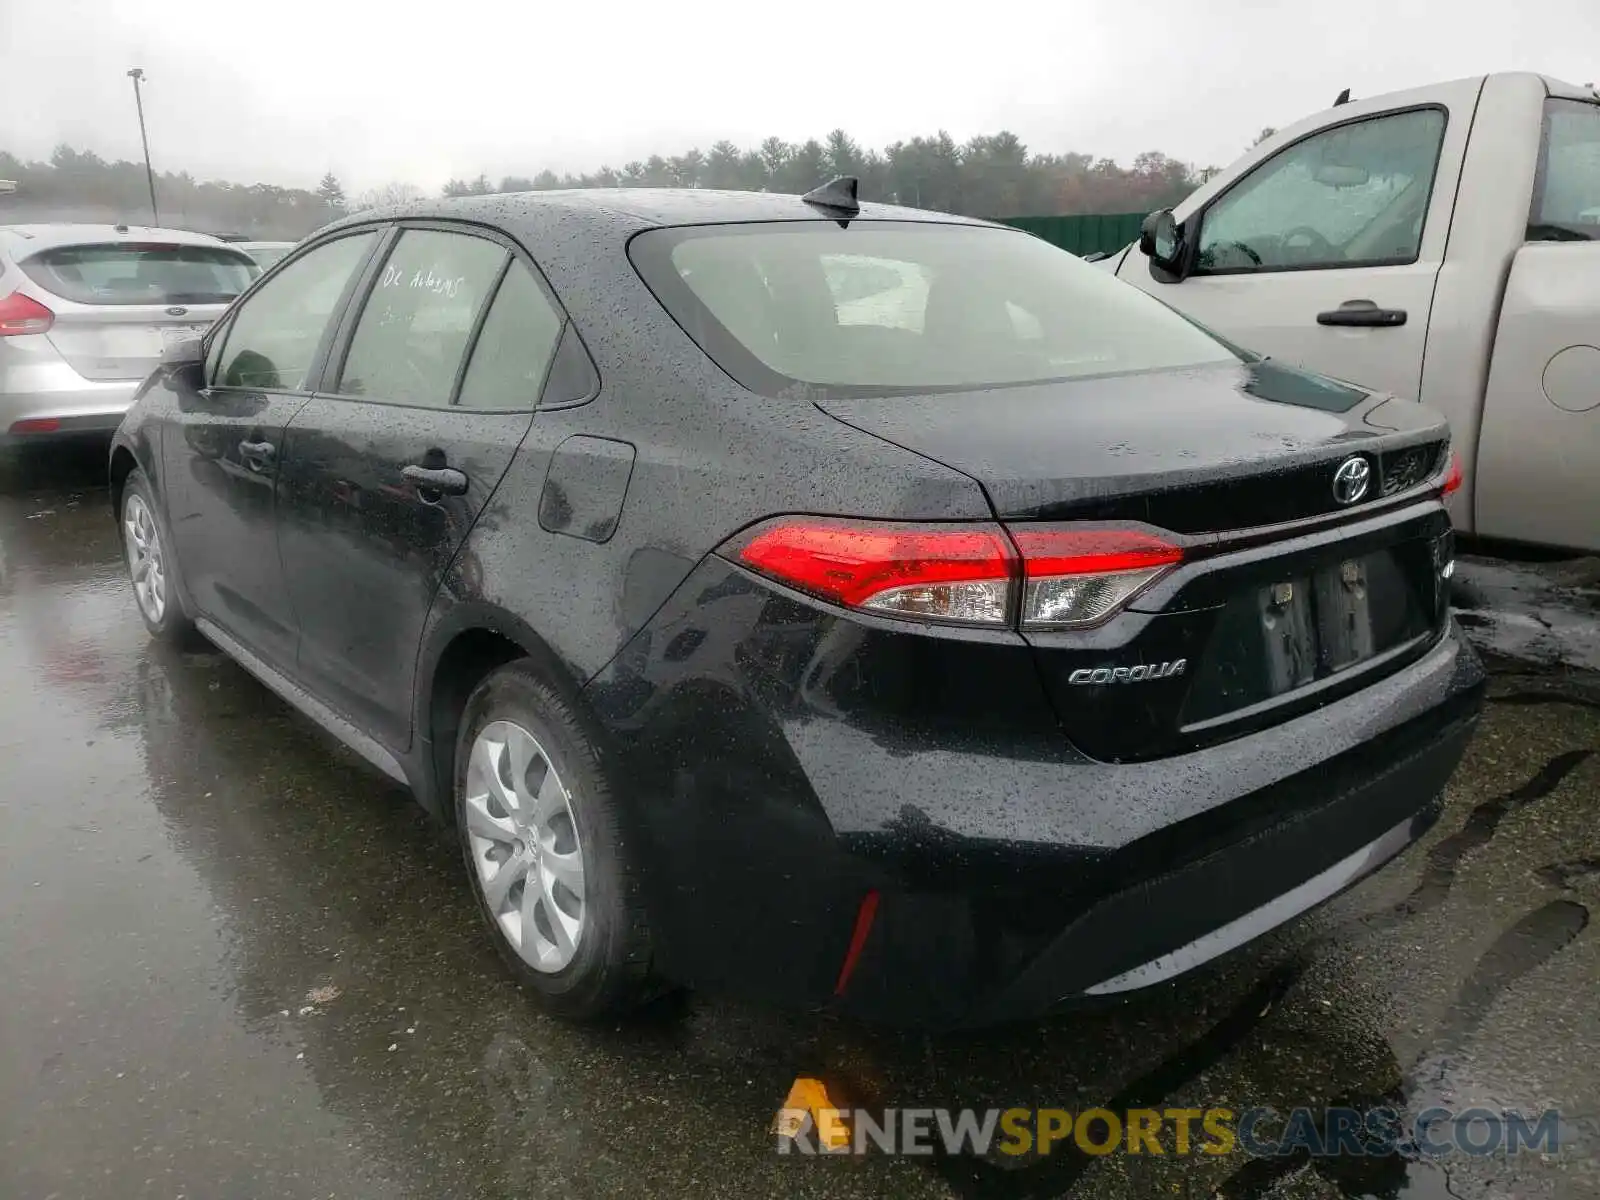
x: 1353, y: 195
x: 1566, y: 193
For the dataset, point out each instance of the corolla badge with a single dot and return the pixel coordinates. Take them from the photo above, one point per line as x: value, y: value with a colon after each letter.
x: 1139, y: 674
x: 1351, y: 479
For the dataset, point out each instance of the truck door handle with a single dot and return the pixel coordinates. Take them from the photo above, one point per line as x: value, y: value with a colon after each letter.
x: 256, y: 455
x: 1362, y: 313
x: 441, y: 481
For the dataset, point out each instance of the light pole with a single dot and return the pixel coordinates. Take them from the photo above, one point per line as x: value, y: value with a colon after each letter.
x: 136, y: 75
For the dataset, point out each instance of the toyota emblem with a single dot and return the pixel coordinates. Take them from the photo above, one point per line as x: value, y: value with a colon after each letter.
x: 1351, y: 479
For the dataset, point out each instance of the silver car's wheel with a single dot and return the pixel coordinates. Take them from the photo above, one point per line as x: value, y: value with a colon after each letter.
x: 145, y: 562
x: 524, y: 845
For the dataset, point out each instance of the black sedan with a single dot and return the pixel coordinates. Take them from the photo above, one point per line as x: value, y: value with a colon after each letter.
x: 848, y: 606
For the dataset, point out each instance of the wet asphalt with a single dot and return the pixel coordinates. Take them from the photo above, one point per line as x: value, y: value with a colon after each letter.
x: 235, y: 962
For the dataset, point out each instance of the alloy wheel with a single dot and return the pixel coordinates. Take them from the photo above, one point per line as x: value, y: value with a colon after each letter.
x: 146, y: 564
x: 525, y: 847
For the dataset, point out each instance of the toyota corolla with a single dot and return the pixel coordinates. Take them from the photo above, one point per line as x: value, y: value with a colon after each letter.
x: 847, y: 606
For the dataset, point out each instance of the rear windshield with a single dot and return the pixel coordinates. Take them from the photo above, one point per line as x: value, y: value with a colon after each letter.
x: 265, y: 256
x: 897, y: 307
x: 128, y: 273
x: 1566, y: 195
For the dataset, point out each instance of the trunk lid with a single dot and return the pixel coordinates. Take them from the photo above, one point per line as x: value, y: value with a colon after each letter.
x: 1197, y: 451
x: 1289, y: 595
x: 124, y: 341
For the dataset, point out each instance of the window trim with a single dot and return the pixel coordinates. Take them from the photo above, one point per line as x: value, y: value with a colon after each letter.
x: 215, y: 338
x: 224, y: 325
x: 333, y: 367
x: 1192, y: 249
x: 1541, y: 166
x: 470, y: 347
x: 563, y: 322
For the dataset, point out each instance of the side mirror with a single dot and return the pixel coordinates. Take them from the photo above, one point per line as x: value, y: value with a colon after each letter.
x: 1161, y: 239
x: 187, y: 352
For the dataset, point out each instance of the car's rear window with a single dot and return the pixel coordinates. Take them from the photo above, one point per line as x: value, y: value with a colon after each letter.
x: 265, y: 256
x: 1566, y: 195
x: 131, y: 273
x: 885, y: 307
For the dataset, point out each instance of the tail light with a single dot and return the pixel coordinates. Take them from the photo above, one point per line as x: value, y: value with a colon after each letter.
x: 36, y: 425
x: 1077, y: 577
x: 970, y: 574
x: 958, y: 573
x: 21, y: 314
x: 1453, y: 476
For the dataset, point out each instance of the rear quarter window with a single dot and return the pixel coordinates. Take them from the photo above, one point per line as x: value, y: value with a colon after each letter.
x: 129, y: 273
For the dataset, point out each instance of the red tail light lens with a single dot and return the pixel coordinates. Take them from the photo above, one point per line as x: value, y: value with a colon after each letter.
x: 1079, y: 577
x: 21, y: 314
x: 959, y: 573
x: 36, y: 425
x: 970, y: 573
x: 1454, y: 476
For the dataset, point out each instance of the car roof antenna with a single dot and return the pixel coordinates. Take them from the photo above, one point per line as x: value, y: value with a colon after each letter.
x: 1344, y: 98
x: 836, y: 199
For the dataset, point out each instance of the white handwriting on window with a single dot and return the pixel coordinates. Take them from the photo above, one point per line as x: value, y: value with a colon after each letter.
x: 422, y: 279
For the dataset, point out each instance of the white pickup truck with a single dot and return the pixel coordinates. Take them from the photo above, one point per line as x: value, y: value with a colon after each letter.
x: 1442, y: 244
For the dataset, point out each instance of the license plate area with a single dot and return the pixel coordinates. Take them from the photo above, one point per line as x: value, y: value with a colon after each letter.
x: 1313, y: 622
x: 171, y: 335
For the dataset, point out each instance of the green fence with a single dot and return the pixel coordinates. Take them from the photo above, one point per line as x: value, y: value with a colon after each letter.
x: 1084, y: 233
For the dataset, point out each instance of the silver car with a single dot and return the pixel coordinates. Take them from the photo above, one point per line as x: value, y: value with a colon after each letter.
x: 265, y: 253
x: 85, y: 311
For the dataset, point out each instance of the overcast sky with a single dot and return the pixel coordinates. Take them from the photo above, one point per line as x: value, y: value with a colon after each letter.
x: 284, y: 91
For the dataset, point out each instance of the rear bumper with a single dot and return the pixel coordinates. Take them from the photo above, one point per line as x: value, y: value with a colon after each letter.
x: 1338, y: 825
x: 85, y: 407
x: 784, y: 763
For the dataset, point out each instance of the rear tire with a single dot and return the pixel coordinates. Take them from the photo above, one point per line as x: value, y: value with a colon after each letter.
x: 147, y: 550
x: 546, y: 849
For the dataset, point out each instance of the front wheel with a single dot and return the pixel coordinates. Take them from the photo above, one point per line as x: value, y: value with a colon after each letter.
x: 150, y: 565
x: 546, y: 848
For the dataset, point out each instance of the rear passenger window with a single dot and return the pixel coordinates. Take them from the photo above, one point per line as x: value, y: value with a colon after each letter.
x: 276, y: 331
x: 514, y: 350
x: 411, y: 335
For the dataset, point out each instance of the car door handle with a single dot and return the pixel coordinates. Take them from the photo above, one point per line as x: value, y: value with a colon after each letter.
x: 1362, y: 314
x: 257, y: 454
x: 447, y: 481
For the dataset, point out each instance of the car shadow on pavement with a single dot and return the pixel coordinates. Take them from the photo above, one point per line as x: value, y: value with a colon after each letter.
x: 74, y: 465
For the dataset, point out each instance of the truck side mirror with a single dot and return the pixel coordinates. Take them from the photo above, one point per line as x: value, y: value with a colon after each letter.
x: 1161, y: 240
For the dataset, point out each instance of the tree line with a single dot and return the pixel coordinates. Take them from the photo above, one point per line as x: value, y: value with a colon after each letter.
x: 994, y: 175
x: 79, y: 185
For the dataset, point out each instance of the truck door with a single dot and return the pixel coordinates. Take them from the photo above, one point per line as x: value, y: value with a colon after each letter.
x: 1322, y: 246
x: 1538, y: 468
